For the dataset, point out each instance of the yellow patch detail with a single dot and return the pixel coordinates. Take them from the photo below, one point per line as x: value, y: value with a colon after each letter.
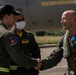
x: 25, y: 41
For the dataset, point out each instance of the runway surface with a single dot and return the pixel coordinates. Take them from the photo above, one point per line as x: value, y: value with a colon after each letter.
x: 57, y: 70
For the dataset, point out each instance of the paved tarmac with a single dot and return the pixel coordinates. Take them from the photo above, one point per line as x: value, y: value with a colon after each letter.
x: 57, y: 70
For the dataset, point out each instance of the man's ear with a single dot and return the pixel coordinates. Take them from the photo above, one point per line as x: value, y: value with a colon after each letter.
x: 6, y: 17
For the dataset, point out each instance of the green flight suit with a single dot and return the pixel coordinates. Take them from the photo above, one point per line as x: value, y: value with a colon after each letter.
x: 31, y: 49
x: 10, y: 47
x: 64, y: 49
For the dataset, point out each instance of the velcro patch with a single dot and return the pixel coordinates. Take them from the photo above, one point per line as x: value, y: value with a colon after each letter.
x: 12, y: 40
x: 25, y: 41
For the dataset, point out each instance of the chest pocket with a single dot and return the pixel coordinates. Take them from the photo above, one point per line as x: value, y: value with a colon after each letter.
x: 25, y: 41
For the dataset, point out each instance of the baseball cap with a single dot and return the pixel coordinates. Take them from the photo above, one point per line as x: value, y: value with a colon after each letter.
x: 8, y: 9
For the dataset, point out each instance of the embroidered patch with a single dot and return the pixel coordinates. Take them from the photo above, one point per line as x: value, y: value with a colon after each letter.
x: 12, y: 40
x: 25, y: 41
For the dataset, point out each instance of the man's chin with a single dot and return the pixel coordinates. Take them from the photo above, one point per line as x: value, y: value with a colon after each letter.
x: 64, y: 27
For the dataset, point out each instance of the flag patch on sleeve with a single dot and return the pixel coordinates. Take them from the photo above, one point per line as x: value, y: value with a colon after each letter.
x: 12, y: 40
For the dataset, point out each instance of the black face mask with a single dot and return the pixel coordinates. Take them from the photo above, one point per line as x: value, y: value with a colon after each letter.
x: 73, y: 39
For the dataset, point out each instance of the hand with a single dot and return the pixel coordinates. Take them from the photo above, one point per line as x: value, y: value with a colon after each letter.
x: 38, y: 65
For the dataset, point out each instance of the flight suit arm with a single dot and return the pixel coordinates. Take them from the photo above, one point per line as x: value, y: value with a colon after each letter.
x: 54, y: 58
x: 35, y: 50
x: 12, y: 46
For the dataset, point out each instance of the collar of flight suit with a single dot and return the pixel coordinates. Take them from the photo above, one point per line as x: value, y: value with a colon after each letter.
x: 3, y: 29
x: 66, y: 47
x: 3, y: 25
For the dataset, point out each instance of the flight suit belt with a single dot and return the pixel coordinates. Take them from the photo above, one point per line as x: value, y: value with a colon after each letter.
x: 3, y: 69
x: 17, y: 67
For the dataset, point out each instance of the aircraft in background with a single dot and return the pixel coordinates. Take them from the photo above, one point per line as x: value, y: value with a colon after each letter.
x: 42, y: 15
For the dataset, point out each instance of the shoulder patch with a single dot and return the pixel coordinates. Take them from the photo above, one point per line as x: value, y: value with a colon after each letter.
x: 12, y: 41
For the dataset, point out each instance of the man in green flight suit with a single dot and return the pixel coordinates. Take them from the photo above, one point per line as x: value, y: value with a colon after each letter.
x: 10, y: 45
x: 29, y: 45
x: 67, y: 45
